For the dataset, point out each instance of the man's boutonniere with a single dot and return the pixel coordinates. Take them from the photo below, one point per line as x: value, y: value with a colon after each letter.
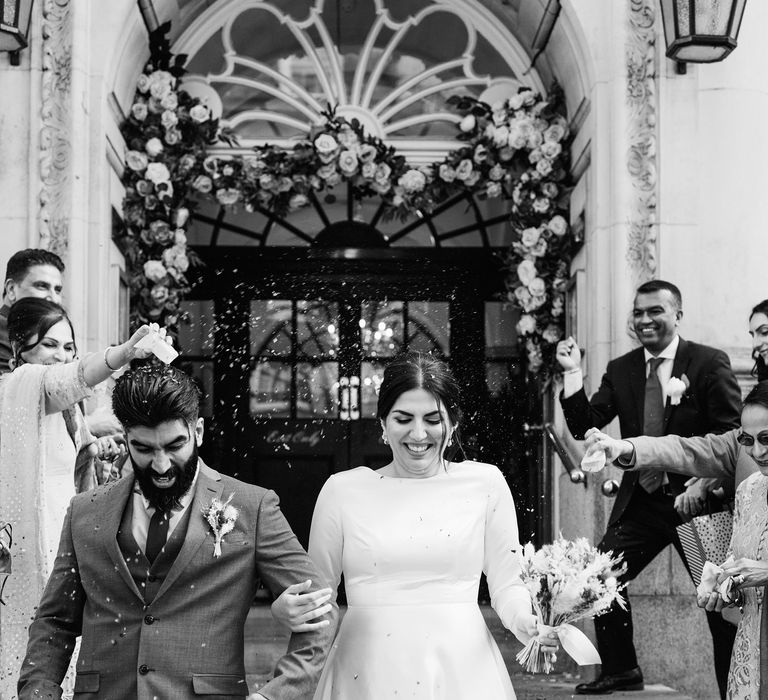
x: 676, y: 389
x: 221, y: 517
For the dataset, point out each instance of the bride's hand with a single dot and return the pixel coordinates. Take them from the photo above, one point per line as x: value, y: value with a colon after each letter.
x: 546, y: 635
x: 294, y: 608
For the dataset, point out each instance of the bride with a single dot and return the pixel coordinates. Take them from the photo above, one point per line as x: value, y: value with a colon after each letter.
x: 412, y: 539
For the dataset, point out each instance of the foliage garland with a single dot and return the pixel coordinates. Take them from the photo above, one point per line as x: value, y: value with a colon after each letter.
x: 516, y: 150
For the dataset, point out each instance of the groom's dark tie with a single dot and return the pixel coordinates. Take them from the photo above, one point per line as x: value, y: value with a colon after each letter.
x: 157, y: 533
x: 653, y: 421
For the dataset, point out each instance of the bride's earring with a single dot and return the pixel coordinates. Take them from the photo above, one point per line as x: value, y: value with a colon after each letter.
x: 384, y: 439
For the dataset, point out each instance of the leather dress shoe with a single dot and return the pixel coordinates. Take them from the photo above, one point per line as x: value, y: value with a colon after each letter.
x: 608, y: 682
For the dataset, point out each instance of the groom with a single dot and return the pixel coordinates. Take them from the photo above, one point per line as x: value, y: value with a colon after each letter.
x: 138, y: 573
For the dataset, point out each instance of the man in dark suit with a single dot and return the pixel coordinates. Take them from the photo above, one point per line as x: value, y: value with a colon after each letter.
x: 157, y: 571
x: 668, y: 386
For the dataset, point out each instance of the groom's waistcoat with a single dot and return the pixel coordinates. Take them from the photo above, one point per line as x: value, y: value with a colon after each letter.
x: 149, y: 577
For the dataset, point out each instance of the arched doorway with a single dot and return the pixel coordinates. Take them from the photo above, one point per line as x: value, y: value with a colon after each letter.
x: 296, y: 315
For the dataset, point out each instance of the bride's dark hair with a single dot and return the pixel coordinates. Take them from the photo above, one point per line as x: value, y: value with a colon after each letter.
x: 419, y: 370
x: 29, y: 320
x: 760, y: 370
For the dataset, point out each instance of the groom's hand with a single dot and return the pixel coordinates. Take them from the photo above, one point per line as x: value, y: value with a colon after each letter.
x: 568, y: 354
x: 595, y: 440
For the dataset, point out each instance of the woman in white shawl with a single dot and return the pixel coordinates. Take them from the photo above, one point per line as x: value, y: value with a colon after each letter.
x: 37, y: 455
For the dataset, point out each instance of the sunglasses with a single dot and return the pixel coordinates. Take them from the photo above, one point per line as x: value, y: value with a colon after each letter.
x: 6, y: 542
x: 747, y: 440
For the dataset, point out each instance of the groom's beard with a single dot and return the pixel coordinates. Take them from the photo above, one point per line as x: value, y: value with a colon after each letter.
x: 169, y: 498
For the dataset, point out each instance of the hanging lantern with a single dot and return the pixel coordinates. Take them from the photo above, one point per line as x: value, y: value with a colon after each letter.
x: 14, y: 26
x: 701, y: 31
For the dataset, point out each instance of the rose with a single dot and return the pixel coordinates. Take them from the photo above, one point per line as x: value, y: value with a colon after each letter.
x: 284, y: 184
x: 500, y: 136
x: 179, y: 237
x: 169, y: 119
x: 186, y: 163
x: 536, y: 302
x: 481, y: 153
x: 551, y: 149
x: 161, y: 232
x: 506, y: 153
x: 158, y: 172
x: 535, y: 139
x: 412, y: 181
x: 154, y: 147
x: 333, y: 179
x: 139, y: 111
x: 446, y: 173
x: 199, y: 113
x: 176, y: 257
x: 492, y: 189
x: 203, y: 184
x: 253, y: 165
x: 368, y: 170
x: 150, y: 202
x: 540, y: 249
x: 144, y: 188
x: 172, y: 137
x: 170, y: 101
x: 367, y: 153
x: 524, y: 98
x: 383, y: 172
x: 541, y: 205
x: 382, y: 186
x: 227, y: 195
x: 549, y: 189
x: 496, y: 172
x: 327, y: 171
x: 142, y: 84
x: 211, y: 164
x: 534, y: 156
x: 537, y: 287
x: 551, y: 333
x: 558, y: 225
x: 154, y: 105
x: 326, y: 147
x: 468, y: 123
x: 464, y: 169
x: 267, y: 182
x: 544, y: 167
x: 136, y: 160
x: 526, y: 272
x: 227, y: 171
x: 297, y: 201
x: 160, y: 84
x: 521, y: 295
x: 348, y: 163
x: 159, y: 294
x: 526, y: 325
x: 154, y: 270
x: 517, y: 138
x: 530, y: 236
x: 554, y: 133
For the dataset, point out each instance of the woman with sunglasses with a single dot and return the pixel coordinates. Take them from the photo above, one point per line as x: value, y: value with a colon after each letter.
x: 747, y: 565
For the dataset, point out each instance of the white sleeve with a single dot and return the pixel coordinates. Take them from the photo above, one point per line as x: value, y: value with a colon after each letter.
x: 326, y: 536
x: 502, y: 562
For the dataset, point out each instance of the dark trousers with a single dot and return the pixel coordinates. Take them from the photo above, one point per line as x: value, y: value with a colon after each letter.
x: 644, y: 529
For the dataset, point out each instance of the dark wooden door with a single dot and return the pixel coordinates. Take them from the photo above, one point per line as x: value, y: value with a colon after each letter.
x: 296, y: 344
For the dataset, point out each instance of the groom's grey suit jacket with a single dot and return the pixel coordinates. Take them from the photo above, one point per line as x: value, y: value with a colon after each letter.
x: 175, y: 630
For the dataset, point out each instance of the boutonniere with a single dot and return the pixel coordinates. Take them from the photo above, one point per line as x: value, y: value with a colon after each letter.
x: 676, y: 389
x: 221, y: 516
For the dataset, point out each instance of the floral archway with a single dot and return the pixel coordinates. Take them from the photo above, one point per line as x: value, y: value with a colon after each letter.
x: 516, y: 150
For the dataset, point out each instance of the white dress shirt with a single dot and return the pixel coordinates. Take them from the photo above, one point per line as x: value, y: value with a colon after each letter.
x: 142, y: 513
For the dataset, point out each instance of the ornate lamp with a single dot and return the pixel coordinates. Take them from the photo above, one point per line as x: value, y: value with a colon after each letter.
x: 14, y: 26
x: 701, y: 31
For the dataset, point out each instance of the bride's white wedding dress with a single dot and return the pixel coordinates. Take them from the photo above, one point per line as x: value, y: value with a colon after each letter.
x: 411, y: 551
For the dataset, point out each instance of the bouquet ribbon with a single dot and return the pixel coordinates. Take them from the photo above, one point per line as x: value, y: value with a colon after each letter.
x: 574, y: 642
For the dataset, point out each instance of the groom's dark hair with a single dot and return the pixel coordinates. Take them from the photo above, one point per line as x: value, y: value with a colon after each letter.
x: 152, y: 393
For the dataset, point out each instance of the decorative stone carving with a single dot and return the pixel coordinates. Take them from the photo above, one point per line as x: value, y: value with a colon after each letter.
x: 641, y: 57
x: 56, y: 118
